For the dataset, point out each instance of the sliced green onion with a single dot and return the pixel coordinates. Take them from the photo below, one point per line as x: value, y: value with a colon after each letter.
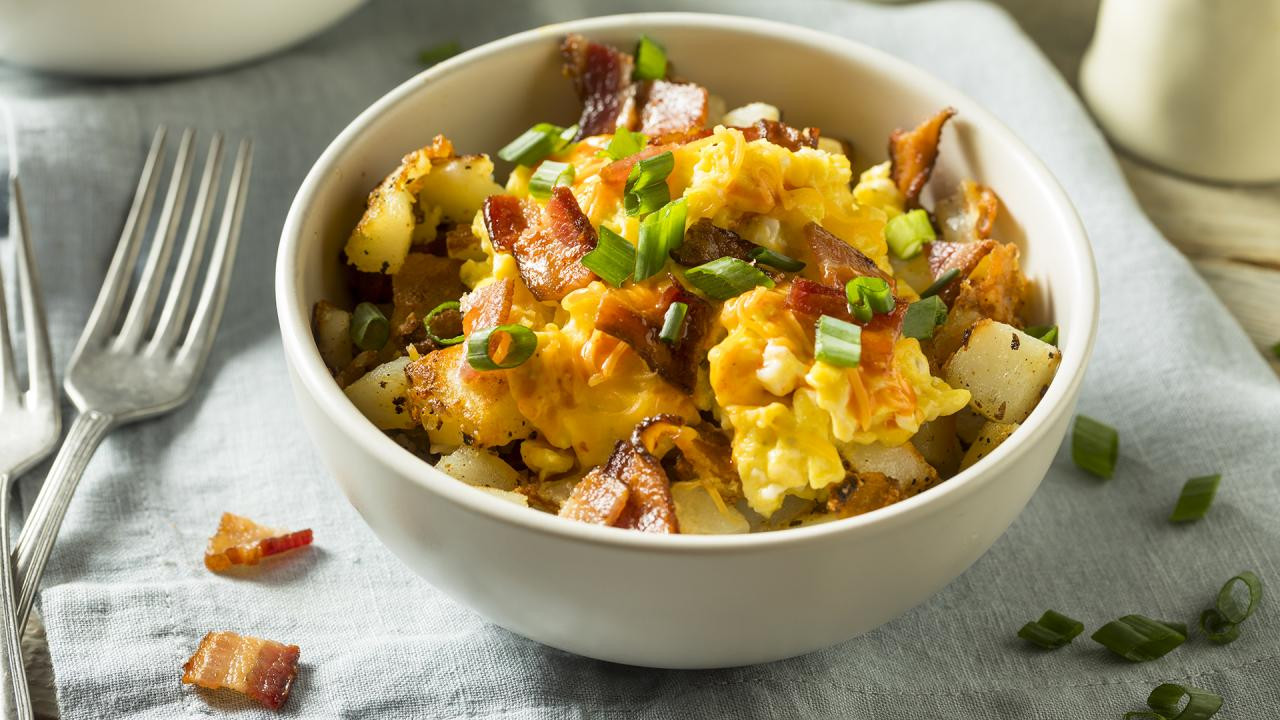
x: 1094, y: 446
x: 1043, y: 333
x: 1227, y: 604
x: 873, y: 293
x: 1219, y: 630
x: 624, y: 144
x: 439, y: 53
x: 1166, y: 700
x: 660, y: 233
x: 523, y: 344
x: 647, y: 199
x: 923, y: 316
x: 1053, y: 630
x: 726, y: 277
x: 651, y: 60
x: 1197, y: 496
x: 765, y: 256
x: 650, y: 171
x: 613, y: 258
x: 673, y: 322
x: 1139, y: 639
x: 941, y: 283
x: 548, y: 175
x: 369, y: 327
x: 906, y: 234
x: 536, y: 143
x: 1143, y: 715
x: 838, y: 342
x: 442, y: 307
x: 1275, y: 350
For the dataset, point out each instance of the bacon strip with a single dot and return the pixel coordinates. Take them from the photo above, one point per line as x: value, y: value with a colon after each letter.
x: 913, y: 154
x: 839, y: 262
x: 782, y: 134
x: 487, y: 306
x: 704, y: 242
x: 601, y: 76
x: 598, y: 498
x: 812, y: 300
x: 547, y: 246
x: 629, y: 491
x: 261, y: 669
x: 640, y: 328
x: 671, y: 107
x: 944, y: 256
x: 241, y: 541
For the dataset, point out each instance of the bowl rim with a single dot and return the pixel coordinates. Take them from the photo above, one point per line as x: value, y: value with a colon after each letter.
x: 311, y: 374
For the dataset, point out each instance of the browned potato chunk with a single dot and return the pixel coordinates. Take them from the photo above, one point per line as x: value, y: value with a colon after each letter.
x: 380, y: 395
x: 902, y: 464
x: 451, y: 400
x: 939, y: 445
x: 989, y: 438
x: 1006, y: 370
x: 332, y: 328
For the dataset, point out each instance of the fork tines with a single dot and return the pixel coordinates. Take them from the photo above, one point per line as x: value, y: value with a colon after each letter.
x: 40, y: 386
x: 131, y: 329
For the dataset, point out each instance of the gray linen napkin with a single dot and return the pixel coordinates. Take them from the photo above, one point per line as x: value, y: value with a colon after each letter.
x: 126, y: 598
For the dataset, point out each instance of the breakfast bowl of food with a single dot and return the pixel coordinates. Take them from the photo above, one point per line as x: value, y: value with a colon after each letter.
x: 684, y: 340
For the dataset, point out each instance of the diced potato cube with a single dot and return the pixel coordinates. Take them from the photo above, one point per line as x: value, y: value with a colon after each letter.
x: 480, y: 468
x: 454, y: 402
x: 332, y: 328
x: 989, y: 438
x: 381, y: 395
x: 939, y: 445
x: 1006, y: 370
x: 699, y: 514
x: 511, y: 497
x: 382, y: 239
x: 750, y: 114
x: 458, y: 186
x: 903, y: 464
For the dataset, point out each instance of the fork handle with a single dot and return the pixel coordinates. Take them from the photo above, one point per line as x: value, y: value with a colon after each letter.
x: 41, y: 528
x: 9, y: 629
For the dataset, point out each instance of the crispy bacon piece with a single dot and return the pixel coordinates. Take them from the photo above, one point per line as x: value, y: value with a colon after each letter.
x: 839, y: 262
x: 601, y: 76
x: 878, y: 338
x: 241, y: 541
x: 944, y: 256
x: 487, y: 306
x: 640, y: 327
x: 913, y: 154
x: 261, y: 669
x: 629, y: 491
x: 811, y: 299
x: 672, y: 107
x: 782, y: 134
x: 547, y: 246
x: 863, y: 493
x: 599, y: 499
x: 704, y: 242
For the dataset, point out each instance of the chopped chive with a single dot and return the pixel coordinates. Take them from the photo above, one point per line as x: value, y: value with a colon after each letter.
x: 1094, y: 446
x: 1218, y: 630
x: 941, y: 283
x: 439, y: 53
x: 548, y: 175
x: 726, y: 277
x: 1053, y: 630
x: 923, y: 316
x: 673, y: 322
x: 369, y: 327
x: 1043, y: 333
x: 624, y: 144
x: 868, y: 296
x: 651, y: 60
x: 1197, y: 496
x: 1139, y: 639
x: 1166, y: 700
x: 765, y: 256
x: 906, y: 234
x: 613, y: 258
x: 650, y: 171
x: 660, y: 233
x: 837, y: 342
x: 442, y: 307
x: 1227, y: 605
x: 523, y: 344
x: 647, y: 199
x: 536, y: 143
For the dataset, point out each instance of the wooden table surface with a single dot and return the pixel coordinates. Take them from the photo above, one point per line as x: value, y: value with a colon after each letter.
x: 1231, y: 234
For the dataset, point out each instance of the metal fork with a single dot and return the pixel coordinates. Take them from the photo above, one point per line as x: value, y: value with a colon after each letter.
x: 30, y: 419
x: 123, y: 370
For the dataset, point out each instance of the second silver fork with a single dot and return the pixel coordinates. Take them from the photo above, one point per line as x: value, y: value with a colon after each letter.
x: 123, y: 369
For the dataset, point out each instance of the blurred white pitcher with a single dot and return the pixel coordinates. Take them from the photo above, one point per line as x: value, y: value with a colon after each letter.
x: 1191, y: 85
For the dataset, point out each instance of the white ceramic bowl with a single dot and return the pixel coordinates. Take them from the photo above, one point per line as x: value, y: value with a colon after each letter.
x: 680, y: 601
x: 128, y: 38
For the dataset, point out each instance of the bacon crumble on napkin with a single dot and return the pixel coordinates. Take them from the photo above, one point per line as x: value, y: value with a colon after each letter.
x: 261, y: 669
x: 241, y: 541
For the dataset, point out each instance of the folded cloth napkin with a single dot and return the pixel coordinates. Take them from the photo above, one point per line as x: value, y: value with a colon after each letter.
x: 126, y: 598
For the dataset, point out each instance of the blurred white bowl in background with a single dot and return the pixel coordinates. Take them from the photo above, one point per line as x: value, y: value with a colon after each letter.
x: 141, y: 38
